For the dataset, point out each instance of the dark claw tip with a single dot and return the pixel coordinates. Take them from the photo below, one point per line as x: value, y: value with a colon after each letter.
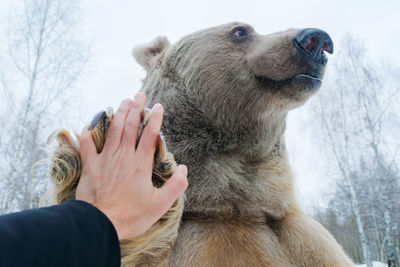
x: 99, y: 116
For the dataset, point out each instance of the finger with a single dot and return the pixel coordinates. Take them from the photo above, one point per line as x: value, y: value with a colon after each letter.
x: 114, y: 134
x: 87, y: 147
x: 148, y: 141
x: 132, y: 122
x: 172, y: 189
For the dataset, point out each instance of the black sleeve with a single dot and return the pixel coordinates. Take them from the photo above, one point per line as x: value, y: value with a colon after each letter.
x: 71, y: 234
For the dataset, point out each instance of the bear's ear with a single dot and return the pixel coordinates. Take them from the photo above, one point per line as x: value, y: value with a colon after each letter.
x: 145, y: 54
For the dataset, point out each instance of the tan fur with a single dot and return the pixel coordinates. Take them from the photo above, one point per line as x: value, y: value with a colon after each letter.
x: 226, y: 104
x: 228, y: 127
x: 253, y: 237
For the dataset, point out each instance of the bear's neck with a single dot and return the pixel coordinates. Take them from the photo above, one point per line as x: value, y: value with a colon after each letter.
x: 200, y: 134
x: 230, y: 168
x: 199, y: 137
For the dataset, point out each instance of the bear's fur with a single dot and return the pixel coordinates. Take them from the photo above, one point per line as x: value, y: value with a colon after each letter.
x: 226, y: 101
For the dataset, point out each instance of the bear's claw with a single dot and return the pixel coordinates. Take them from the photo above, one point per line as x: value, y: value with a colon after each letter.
x: 99, y: 126
x: 99, y: 116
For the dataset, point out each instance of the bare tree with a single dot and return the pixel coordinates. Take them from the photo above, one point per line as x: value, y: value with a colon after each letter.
x: 45, y: 59
x: 356, y: 113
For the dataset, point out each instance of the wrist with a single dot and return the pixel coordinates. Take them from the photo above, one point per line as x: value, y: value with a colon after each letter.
x: 117, y: 223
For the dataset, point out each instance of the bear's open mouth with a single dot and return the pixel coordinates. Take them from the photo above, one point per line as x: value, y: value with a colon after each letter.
x: 309, y: 81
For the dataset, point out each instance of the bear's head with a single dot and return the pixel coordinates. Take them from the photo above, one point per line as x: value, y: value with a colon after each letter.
x: 233, y: 85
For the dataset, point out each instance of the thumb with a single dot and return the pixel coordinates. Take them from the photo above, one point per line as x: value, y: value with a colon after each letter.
x: 87, y: 146
x: 172, y: 189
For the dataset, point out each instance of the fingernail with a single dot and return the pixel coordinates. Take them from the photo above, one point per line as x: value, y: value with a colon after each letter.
x: 84, y: 129
x: 157, y: 108
x: 126, y: 101
x: 139, y: 96
x: 183, y: 169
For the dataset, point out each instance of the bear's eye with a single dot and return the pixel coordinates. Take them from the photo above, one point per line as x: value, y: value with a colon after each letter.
x: 240, y: 33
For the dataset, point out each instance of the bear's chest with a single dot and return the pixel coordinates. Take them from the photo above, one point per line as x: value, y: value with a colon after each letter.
x: 211, y: 243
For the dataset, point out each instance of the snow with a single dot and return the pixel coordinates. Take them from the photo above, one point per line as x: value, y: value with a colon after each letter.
x: 374, y: 263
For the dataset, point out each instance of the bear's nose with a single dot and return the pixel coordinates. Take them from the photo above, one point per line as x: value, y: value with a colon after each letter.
x: 311, y: 43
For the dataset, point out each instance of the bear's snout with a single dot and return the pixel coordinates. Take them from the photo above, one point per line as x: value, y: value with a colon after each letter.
x: 312, y: 43
x: 281, y: 56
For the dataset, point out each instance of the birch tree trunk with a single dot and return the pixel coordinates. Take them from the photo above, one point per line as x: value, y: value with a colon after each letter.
x: 355, y: 206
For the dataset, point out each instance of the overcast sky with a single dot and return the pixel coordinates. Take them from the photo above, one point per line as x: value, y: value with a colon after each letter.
x: 115, y: 27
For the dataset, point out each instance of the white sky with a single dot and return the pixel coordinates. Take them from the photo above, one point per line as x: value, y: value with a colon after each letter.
x: 115, y: 27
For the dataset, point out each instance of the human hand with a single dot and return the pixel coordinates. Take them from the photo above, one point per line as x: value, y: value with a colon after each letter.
x: 118, y: 180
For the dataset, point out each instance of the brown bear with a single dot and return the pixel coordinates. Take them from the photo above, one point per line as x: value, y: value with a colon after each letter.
x: 226, y: 92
